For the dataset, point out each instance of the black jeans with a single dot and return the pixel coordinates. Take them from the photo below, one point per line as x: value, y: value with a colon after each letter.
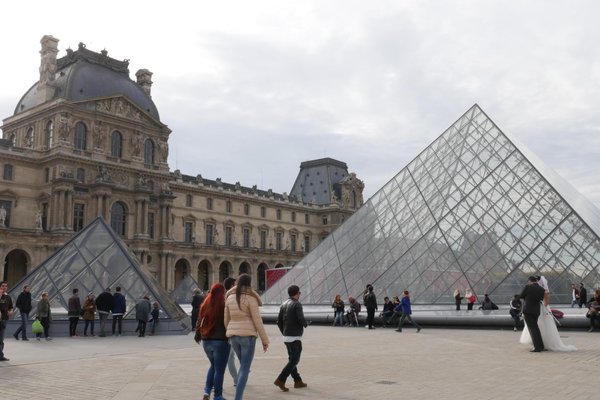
x: 141, y: 328
x: 117, y: 320
x: 73, y: 321
x: 294, y: 350
x: 370, y: 317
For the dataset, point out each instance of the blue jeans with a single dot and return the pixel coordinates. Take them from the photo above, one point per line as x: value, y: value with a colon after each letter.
x: 294, y: 350
x: 338, y: 318
x: 23, y: 328
x: 231, y: 367
x: 243, y: 346
x: 217, y: 352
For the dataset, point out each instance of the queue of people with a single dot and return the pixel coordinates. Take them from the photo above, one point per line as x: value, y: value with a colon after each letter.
x: 103, y: 305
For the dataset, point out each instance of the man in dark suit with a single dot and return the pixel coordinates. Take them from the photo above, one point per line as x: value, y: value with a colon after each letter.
x: 582, y: 295
x: 533, y: 294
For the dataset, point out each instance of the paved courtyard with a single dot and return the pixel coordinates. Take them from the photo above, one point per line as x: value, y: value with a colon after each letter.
x: 337, y: 363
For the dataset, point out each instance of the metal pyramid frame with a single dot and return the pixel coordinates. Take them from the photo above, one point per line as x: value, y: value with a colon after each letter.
x: 475, y: 210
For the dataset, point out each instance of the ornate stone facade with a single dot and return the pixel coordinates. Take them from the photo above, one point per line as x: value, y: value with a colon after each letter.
x: 68, y: 158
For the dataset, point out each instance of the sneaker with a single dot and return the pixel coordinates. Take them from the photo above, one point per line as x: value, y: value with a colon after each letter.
x: 515, y: 329
x: 398, y: 330
x: 4, y: 359
x: 48, y: 338
x: 16, y: 336
x: 206, y: 397
x: 25, y: 339
x: 418, y: 330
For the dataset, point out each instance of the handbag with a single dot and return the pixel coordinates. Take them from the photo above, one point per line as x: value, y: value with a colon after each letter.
x: 37, y: 327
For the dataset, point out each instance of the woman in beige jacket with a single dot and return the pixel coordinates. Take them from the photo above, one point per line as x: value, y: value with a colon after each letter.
x: 244, y: 324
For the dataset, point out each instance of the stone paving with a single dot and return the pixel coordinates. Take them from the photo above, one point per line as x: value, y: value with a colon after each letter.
x: 337, y: 363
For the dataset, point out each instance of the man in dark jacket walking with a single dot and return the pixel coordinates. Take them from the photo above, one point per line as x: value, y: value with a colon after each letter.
x: 24, y: 306
x: 291, y: 323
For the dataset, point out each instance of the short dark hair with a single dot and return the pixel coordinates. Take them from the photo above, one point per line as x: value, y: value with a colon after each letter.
x: 229, y: 282
x: 293, y: 290
x: 118, y: 288
x: 75, y: 290
x: 532, y: 278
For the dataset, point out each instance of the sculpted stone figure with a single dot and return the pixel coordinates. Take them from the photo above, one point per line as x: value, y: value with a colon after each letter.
x: 64, y: 126
x: 99, y: 136
x: 136, y: 143
x: 2, y: 215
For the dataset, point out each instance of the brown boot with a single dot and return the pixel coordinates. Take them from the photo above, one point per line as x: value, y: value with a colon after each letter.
x: 281, y: 385
x: 299, y: 384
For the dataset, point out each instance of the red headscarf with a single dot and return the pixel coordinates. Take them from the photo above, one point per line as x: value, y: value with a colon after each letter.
x: 212, y: 311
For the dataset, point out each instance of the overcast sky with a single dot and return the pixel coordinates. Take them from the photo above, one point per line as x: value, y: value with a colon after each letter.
x: 253, y: 88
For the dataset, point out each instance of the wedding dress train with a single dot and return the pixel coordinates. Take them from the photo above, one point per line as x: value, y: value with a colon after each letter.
x: 550, y: 335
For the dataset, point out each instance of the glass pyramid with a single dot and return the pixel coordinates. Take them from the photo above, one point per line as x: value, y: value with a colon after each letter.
x: 474, y: 210
x: 92, y: 260
x: 183, y: 293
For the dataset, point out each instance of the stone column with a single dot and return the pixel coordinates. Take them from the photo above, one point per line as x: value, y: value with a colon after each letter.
x: 69, y: 209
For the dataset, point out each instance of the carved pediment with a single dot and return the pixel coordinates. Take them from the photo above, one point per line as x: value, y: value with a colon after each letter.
x: 120, y: 106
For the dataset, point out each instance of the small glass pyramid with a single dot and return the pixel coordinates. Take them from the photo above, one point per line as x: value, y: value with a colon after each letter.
x: 183, y: 293
x: 474, y: 210
x: 92, y: 260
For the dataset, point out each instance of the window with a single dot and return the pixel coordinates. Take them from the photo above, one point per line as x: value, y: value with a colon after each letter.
x: 306, y: 219
x: 116, y: 144
x: 293, y: 216
x: 46, y: 175
x: 188, y: 235
x: 148, y: 152
x: 263, y: 212
x: 80, y: 136
x: 6, y: 206
x: 306, y: 243
x: 118, y: 218
x: 246, y: 234
x: 151, y: 225
x: 209, y: 230
x: 81, y: 174
x: 293, y: 242
x: 49, y: 134
x: 228, y: 206
x: 324, y: 220
x: 279, y: 241
x: 278, y: 214
x: 246, y: 209
x: 228, y: 235
x: 78, y: 216
x: 209, y: 203
x: 8, y: 172
x: 188, y: 200
x: 263, y: 239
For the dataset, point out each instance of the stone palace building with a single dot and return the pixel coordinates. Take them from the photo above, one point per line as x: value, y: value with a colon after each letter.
x: 86, y: 141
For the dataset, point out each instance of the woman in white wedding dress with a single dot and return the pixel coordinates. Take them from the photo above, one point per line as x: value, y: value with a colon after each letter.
x: 547, y: 324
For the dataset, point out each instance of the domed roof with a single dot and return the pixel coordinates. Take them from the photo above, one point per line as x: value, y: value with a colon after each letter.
x: 84, y: 74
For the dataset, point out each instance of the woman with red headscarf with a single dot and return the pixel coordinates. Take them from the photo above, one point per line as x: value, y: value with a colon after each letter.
x: 211, y: 330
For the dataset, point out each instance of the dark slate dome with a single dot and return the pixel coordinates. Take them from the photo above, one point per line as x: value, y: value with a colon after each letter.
x: 84, y: 74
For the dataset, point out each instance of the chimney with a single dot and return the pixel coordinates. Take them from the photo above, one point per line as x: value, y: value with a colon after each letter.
x: 47, y: 67
x: 144, y: 79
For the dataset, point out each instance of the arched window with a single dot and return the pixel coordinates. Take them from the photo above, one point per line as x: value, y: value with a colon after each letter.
x: 149, y: 152
x: 118, y: 218
x: 80, y: 136
x: 116, y: 144
x: 49, y: 134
